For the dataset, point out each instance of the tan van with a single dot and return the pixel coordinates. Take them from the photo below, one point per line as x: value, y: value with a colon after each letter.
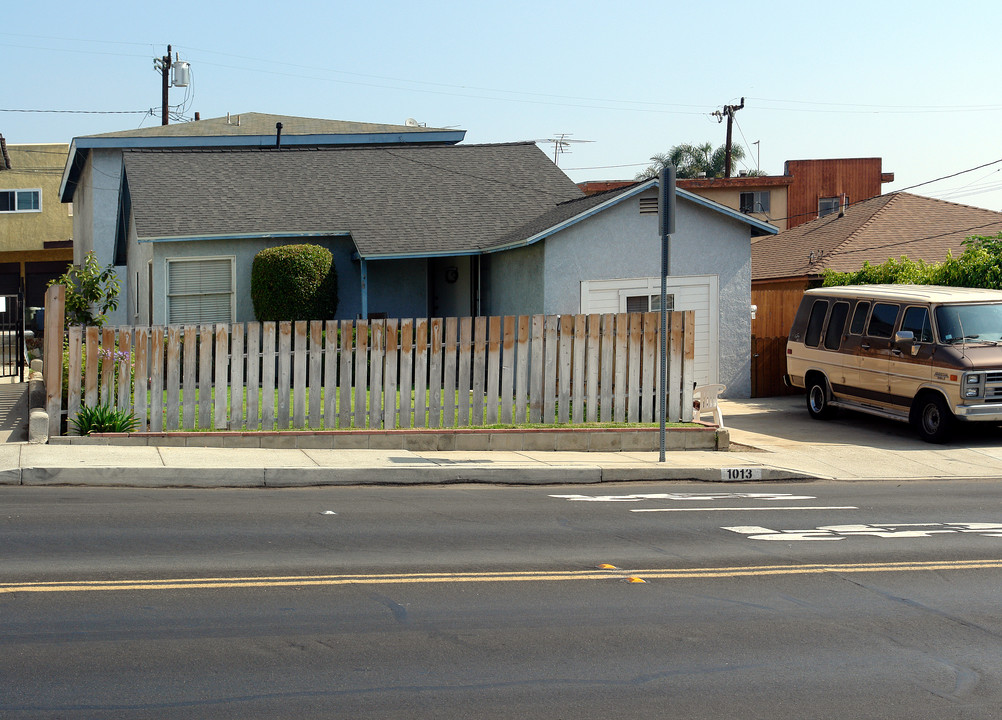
x: 926, y: 354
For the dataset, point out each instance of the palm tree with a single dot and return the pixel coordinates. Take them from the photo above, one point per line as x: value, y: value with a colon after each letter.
x: 692, y: 161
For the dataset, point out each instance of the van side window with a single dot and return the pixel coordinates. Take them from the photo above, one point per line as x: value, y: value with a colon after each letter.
x: 815, y: 322
x: 836, y: 324
x: 916, y: 320
x: 859, y: 318
x: 882, y: 320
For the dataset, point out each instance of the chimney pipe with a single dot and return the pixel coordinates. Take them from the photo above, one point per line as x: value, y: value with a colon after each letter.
x: 278, y: 135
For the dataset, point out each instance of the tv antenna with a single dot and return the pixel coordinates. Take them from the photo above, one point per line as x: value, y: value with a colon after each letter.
x: 561, y: 144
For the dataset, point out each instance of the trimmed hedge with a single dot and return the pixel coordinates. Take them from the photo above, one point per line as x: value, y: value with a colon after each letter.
x: 294, y: 282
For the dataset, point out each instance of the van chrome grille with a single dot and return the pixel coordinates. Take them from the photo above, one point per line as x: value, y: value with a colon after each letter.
x: 994, y: 376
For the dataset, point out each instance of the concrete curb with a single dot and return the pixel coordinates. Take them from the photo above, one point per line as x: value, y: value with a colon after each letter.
x: 289, y: 477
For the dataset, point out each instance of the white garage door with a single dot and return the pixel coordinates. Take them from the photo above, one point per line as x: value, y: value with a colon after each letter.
x: 695, y: 292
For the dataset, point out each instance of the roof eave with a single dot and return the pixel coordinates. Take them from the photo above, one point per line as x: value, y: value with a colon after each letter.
x: 83, y: 145
x: 244, y: 236
x: 763, y: 228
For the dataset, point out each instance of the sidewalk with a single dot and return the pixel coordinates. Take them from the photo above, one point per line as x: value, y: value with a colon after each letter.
x: 772, y: 439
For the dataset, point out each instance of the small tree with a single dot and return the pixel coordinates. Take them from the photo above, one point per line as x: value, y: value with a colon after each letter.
x: 91, y: 293
x: 294, y: 282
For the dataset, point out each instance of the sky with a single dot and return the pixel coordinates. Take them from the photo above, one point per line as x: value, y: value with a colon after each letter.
x: 915, y: 83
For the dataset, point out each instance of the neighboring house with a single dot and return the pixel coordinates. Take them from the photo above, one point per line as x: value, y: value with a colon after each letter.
x: 93, y: 179
x: 36, y: 230
x: 806, y: 190
x: 422, y: 230
x: 888, y: 226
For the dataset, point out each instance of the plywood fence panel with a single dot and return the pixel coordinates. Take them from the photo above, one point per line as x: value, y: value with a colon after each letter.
x: 390, y: 414
x: 205, y: 376
x: 420, y: 372
x: 508, y: 338
x: 435, y: 374
x: 377, y: 329
x: 465, y: 369
x: 479, y: 369
x: 253, y: 375
x: 74, y: 374
x: 220, y: 385
x: 493, y: 368
x: 268, y: 333
x: 316, y: 372
x: 157, y: 353
x: 284, y: 374
x: 237, y: 372
x: 299, y: 358
x: 405, y: 419
x: 345, y: 383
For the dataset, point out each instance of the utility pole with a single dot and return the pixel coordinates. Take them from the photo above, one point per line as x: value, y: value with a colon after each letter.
x: 181, y: 79
x: 163, y: 65
x: 729, y: 111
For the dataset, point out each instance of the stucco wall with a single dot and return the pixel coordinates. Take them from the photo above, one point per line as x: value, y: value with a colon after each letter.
x: 513, y: 281
x: 95, y: 216
x: 731, y: 197
x: 35, y: 167
x: 396, y: 287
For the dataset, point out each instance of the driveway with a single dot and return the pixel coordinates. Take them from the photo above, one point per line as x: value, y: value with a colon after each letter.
x: 856, y: 446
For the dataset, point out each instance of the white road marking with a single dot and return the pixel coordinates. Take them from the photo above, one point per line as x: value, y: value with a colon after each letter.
x: 686, y: 497
x: 731, y: 509
x: 882, y: 530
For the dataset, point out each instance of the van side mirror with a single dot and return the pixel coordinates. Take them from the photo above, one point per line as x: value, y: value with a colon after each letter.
x: 904, y: 341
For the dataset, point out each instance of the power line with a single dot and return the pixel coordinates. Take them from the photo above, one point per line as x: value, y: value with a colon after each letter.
x: 79, y: 112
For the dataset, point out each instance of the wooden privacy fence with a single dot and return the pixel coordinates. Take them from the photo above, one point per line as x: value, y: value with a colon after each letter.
x: 383, y: 373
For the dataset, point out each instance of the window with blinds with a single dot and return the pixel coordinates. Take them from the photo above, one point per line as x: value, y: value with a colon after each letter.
x: 200, y: 290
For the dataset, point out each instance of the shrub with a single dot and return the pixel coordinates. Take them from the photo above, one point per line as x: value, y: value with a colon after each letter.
x: 91, y: 292
x: 294, y: 282
x: 103, y: 418
x: 979, y: 266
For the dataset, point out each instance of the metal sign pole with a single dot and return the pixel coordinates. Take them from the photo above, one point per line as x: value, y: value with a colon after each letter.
x: 666, y: 223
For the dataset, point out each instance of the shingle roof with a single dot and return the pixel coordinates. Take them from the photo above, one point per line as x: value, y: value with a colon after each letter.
x: 262, y: 124
x: 394, y: 200
x: 887, y: 226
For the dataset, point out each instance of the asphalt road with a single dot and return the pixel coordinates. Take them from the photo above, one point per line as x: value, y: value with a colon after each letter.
x: 820, y: 600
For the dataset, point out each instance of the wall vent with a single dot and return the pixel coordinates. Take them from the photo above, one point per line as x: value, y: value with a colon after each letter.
x: 648, y: 206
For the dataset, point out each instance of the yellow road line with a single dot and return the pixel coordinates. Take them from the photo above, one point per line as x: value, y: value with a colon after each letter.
x: 486, y: 577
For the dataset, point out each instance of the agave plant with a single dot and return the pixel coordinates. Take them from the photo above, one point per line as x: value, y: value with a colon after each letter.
x: 103, y: 418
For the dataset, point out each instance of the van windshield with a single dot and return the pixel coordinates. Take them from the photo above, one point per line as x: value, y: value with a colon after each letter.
x: 969, y: 323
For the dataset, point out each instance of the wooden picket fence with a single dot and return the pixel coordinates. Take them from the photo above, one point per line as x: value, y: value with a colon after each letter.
x: 380, y: 374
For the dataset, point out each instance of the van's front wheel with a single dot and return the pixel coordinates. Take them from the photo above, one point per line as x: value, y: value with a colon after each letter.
x: 818, y: 404
x: 933, y: 419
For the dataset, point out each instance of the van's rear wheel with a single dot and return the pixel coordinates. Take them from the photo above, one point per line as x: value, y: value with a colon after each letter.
x: 818, y: 403
x: 933, y: 419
